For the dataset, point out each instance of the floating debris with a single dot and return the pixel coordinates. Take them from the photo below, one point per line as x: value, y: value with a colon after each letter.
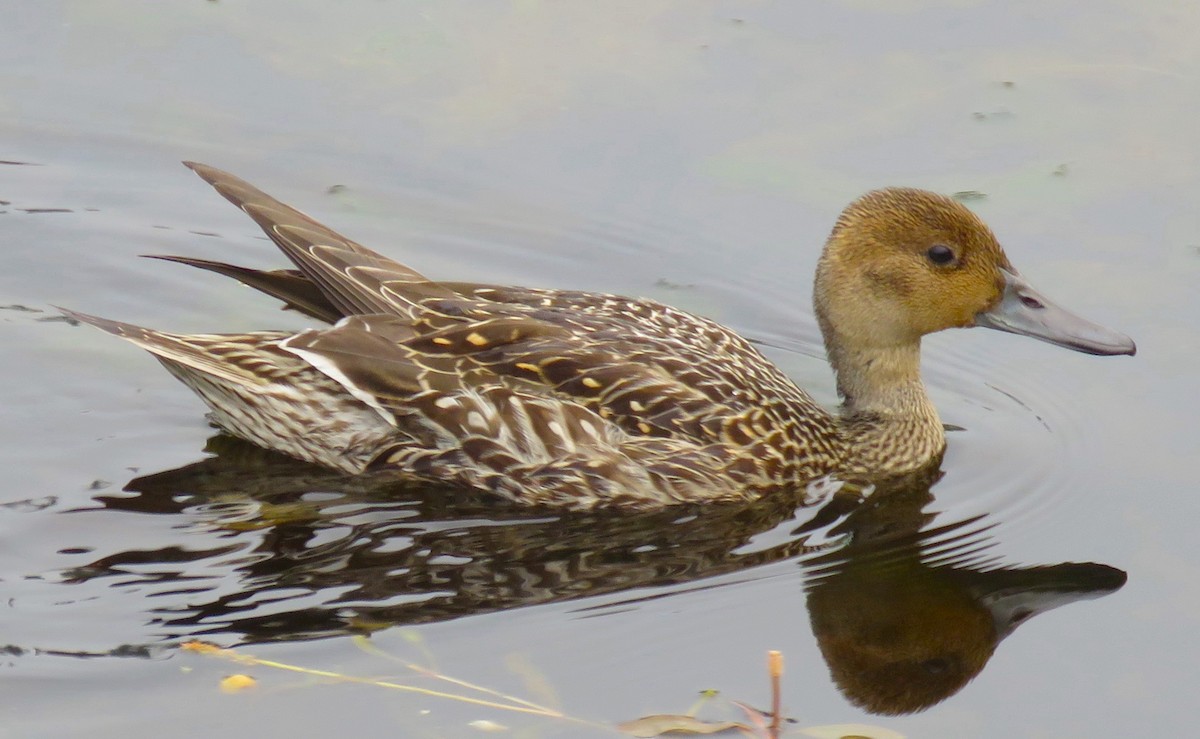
x: 651, y: 726
x: 998, y: 114
x: 237, y: 683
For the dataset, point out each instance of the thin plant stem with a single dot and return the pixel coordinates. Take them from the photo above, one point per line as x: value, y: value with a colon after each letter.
x: 366, y: 646
x: 775, y: 668
x: 208, y: 649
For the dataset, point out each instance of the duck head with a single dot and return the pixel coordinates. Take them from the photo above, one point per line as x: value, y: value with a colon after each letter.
x: 902, y: 263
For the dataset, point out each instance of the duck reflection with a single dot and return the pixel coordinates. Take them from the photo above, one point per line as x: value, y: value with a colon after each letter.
x: 906, y: 612
x: 906, y: 615
x: 316, y: 553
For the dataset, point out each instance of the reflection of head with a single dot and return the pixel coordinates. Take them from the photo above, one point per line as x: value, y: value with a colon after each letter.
x: 901, y: 644
x: 905, y: 618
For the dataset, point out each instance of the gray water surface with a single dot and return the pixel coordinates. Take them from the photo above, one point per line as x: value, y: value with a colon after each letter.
x: 696, y: 153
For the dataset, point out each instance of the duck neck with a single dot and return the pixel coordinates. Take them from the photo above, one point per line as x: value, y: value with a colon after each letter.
x: 881, y: 381
x: 894, y: 428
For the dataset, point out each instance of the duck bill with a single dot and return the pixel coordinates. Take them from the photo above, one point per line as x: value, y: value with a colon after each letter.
x: 1013, y: 596
x: 1025, y: 311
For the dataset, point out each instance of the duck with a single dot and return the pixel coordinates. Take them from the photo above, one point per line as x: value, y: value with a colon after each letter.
x: 583, y: 400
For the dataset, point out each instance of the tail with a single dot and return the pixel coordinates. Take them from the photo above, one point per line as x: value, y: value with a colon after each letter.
x: 262, y: 393
x: 354, y: 279
x: 211, y: 355
x: 291, y: 286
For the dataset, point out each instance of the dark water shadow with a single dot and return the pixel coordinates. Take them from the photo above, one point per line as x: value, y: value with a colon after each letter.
x: 906, y: 609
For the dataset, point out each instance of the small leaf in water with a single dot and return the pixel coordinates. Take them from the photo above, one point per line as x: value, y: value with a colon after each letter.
x: 237, y: 683
x: 657, y: 725
x: 965, y: 196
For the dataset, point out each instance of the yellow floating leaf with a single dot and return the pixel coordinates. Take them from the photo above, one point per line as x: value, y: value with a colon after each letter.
x: 237, y: 683
x: 657, y: 725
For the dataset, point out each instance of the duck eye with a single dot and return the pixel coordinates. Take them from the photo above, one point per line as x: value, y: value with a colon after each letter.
x: 940, y: 254
x: 935, y: 666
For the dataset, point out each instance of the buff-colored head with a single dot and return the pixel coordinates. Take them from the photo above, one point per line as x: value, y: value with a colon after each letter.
x: 902, y: 263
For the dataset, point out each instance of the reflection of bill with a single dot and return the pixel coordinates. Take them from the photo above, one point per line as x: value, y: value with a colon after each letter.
x: 905, y: 618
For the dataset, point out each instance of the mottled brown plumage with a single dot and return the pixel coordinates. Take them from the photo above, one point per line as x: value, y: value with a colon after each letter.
x: 582, y: 399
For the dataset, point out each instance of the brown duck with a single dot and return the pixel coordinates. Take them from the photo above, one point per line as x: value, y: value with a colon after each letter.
x: 576, y: 399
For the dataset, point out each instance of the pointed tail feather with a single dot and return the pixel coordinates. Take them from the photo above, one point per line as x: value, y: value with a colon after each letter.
x: 212, y: 355
x: 354, y: 279
x: 264, y: 394
x: 292, y: 287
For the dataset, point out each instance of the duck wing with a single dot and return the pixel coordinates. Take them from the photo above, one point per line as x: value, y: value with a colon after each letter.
x: 522, y: 407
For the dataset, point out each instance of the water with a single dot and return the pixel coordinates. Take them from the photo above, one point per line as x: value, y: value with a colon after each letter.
x: 696, y: 154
